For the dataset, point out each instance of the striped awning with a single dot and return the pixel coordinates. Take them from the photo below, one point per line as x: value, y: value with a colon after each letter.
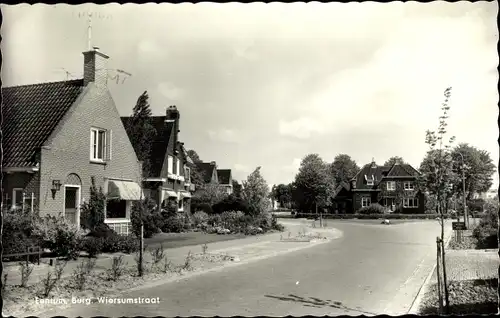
x: 169, y: 194
x: 185, y: 195
x: 125, y: 190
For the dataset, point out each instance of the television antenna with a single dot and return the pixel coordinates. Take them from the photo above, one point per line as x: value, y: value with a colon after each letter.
x: 89, y: 16
x: 68, y: 74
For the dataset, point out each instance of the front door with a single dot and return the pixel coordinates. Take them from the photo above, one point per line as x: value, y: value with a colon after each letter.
x: 71, y: 202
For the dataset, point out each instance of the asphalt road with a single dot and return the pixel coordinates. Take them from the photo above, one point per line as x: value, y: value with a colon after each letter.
x: 372, y: 269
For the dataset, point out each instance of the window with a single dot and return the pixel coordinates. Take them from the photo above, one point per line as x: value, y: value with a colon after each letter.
x: 170, y: 164
x: 116, y: 209
x: 391, y: 186
x: 181, y: 205
x: 369, y: 182
x: 17, y: 198
x: 187, y: 174
x: 365, y: 201
x: 409, y: 186
x: 98, y: 145
x: 178, y: 167
x: 410, y: 202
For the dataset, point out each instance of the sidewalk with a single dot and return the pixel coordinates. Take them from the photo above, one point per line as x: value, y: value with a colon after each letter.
x: 177, y: 256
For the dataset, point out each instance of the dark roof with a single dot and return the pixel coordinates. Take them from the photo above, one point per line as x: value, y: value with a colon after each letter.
x: 31, y: 113
x: 159, y: 144
x: 401, y: 170
x: 207, y: 169
x: 342, y: 185
x: 224, y: 176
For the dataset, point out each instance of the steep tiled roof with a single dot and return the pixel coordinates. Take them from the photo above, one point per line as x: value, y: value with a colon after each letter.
x: 224, y: 176
x: 377, y: 171
x: 402, y: 170
x: 342, y: 185
x: 31, y: 113
x: 207, y: 169
x: 159, y: 144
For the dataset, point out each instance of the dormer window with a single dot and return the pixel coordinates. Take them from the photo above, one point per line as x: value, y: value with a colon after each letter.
x: 369, y: 181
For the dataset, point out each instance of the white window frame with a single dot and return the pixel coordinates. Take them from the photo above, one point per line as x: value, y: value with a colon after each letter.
x: 187, y: 173
x: 178, y: 167
x: 365, y: 202
x: 170, y: 164
x: 414, y: 203
x: 409, y: 186
x: 180, y: 205
x: 369, y: 182
x: 391, y: 185
x: 94, y: 156
x: 14, y: 197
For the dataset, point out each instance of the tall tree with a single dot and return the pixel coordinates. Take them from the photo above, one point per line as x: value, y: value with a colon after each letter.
x: 210, y: 193
x: 477, y: 167
x: 437, y: 176
x: 236, y: 188
x: 392, y: 160
x: 313, y: 184
x: 141, y: 131
x: 282, y: 194
x: 343, y: 168
x: 256, y: 192
x: 196, y: 175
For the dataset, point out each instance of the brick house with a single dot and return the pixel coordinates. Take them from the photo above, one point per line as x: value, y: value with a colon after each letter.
x: 168, y: 177
x: 393, y: 187
x: 59, y: 136
x: 209, y: 172
x: 225, y: 180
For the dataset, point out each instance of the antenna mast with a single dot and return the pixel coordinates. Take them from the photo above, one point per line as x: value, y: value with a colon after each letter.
x: 89, y: 32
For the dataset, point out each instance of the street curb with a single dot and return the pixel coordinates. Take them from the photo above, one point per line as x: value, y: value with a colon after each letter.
x: 423, y: 289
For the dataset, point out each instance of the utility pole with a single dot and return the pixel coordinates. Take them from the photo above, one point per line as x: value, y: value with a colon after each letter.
x: 466, y: 215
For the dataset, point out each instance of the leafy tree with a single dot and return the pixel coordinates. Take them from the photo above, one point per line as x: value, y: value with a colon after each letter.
x: 196, y: 175
x: 236, y: 189
x: 210, y: 194
x: 92, y: 211
x: 437, y: 176
x: 343, y: 168
x: 141, y: 131
x: 392, y: 160
x: 477, y: 167
x: 313, y: 185
x: 256, y: 192
x: 282, y: 193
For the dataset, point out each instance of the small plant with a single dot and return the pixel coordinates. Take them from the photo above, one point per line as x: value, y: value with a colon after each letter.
x: 188, y: 262
x: 51, y: 280
x: 4, y: 283
x: 157, y: 255
x: 82, y: 272
x: 26, y: 269
x: 167, y: 265
x: 117, y: 268
x: 204, y: 248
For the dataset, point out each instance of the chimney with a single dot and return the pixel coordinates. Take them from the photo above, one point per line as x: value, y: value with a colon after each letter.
x: 95, y: 66
x: 173, y: 114
x: 212, y: 163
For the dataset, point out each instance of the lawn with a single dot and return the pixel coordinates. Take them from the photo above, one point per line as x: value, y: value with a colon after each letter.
x: 174, y: 240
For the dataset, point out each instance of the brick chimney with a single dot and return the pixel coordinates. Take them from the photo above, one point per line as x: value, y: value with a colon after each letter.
x: 173, y: 115
x: 95, y: 66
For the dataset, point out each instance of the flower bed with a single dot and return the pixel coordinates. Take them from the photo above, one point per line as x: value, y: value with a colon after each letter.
x: 468, y: 297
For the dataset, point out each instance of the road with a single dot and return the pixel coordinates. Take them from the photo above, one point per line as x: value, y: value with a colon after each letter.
x: 373, y: 269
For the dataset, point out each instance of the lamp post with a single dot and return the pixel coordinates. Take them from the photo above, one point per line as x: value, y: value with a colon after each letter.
x: 466, y: 216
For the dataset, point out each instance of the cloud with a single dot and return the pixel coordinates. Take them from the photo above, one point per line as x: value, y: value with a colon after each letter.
x: 170, y: 91
x: 294, y: 166
x: 241, y: 168
x: 301, y: 128
x: 225, y: 135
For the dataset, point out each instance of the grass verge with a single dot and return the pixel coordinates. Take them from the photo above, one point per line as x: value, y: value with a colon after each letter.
x: 469, y: 297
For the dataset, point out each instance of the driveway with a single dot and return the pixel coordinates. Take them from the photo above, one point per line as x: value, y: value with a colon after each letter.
x: 372, y: 269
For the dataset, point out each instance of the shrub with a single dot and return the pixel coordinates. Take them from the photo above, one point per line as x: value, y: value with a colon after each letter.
x: 275, y: 225
x: 26, y: 269
x: 486, y: 233
x: 157, y: 254
x: 92, y: 211
x: 93, y: 245
x: 82, y: 273
x: 52, y: 278
x: 199, y: 218
x: 231, y: 203
x: 151, y: 218
x: 174, y: 224
x: 58, y: 235
x: 117, y: 268
x: 372, y: 209
x: 17, y: 232
x: 118, y: 243
x: 102, y: 231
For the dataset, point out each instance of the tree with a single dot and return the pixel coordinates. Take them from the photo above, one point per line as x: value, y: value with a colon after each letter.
x: 236, y: 189
x: 282, y: 194
x: 343, y: 168
x: 196, y: 175
x: 141, y: 130
x: 313, y: 185
x: 210, y: 194
x: 392, y: 160
x: 92, y: 211
x: 256, y: 192
x: 477, y: 167
x: 437, y: 176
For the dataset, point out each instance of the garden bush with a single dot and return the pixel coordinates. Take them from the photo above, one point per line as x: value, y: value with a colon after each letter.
x: 17, y: 232
x: 199, y: 218
x: 231, y: 203
x: 120, y: 243
x: 174, y: 223
x: 372, y: 209
x: 102, y: 231
x: 151, y: 218
x: 58, y: 235
x: 93, y: 245
x: 486, y: 233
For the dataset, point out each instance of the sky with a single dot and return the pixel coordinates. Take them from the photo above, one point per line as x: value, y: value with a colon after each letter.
x: 266, y: 84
